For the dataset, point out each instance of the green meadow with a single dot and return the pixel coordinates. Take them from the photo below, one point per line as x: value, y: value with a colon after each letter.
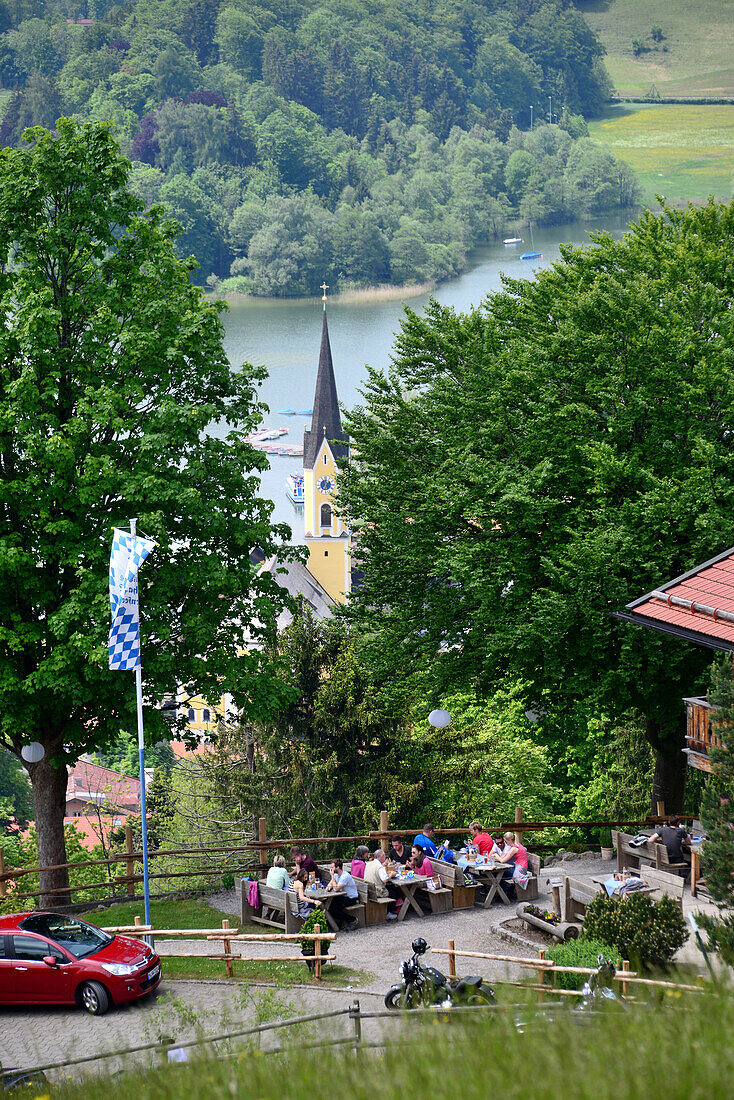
x: 683, y: 152
x: 694, y: 58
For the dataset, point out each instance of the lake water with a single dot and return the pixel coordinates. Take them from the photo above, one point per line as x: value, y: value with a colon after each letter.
x: 285, y: 336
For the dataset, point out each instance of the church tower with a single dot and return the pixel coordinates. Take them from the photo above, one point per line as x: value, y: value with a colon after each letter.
x: 327, y: 539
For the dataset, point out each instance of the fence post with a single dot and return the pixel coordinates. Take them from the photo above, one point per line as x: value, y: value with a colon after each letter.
x: 625, y: 985
x: 661, y: 809
x: 354, y: 1015
x: 137, y: 922
x: 695, y: 871
x: 2, y: 872
x: 452, y: 960
x: 541, y: 973
x: 384, y: 826
x: 317, y: 953
x: 262, y: 835
x: 518, y: 820
x: 227, y: 950
x: 129, y: 863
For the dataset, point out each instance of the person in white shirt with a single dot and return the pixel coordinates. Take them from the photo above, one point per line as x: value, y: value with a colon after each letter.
x: 377, y: 874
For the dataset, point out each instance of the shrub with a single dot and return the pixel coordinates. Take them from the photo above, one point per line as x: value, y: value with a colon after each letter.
x: 645, y: 931
x: 580, y: 952
x: 317, y: 916
x: 719, y: 934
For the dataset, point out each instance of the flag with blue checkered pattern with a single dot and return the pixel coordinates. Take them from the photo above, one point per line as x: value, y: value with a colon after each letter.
x: 128, y: 554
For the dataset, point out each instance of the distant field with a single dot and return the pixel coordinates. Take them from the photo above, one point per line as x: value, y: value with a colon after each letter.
x: 699, y: 36
x: 683, y: 152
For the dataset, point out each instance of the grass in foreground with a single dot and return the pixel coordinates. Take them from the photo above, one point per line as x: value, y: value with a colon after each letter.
x: 677, y: 1049
x: 699, y: 60
x: 683, y: 152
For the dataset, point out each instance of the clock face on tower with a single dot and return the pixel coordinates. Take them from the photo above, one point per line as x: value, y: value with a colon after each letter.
x: 325, y: 484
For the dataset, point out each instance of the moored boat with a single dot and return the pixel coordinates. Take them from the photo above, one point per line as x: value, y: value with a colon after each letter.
x: 294, y: 488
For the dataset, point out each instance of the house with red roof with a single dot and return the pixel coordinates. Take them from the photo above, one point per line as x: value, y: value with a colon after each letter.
x: 697, y: 606
x: 99, y: 799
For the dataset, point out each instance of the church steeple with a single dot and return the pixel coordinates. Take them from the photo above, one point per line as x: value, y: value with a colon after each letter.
x: 327, y: 537
x: 326, y: 421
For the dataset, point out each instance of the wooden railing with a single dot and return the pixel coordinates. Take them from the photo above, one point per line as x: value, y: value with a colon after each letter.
x: 254, y: 855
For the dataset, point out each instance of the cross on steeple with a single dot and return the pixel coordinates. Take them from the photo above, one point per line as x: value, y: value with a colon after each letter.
x: 324, y: 287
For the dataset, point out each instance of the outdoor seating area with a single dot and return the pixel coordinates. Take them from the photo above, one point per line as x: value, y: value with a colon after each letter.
x: 395, y: 882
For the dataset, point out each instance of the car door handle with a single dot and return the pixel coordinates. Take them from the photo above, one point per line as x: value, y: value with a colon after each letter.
x: 21, y: 968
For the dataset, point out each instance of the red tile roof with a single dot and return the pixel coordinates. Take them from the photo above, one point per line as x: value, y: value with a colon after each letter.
x: 698, y: 606
x: 93, y: 783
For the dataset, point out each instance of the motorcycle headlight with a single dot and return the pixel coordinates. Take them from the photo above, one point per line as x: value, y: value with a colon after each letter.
x: 120, y: 969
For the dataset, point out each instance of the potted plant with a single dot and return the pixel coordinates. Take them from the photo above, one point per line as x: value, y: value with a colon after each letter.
x: 308, y: 946
x: 605, y: 843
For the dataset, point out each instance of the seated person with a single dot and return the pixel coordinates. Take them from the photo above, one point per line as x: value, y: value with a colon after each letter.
x: 420, y: 863
x: 306, y: 905
x: 399, y: 852
x: 344, y: 888
x: 378, y: 876
x: 514, y: 854
x: 304, y: 862
x: 675, y: 838
x: 278, y: 876
x: 424, y: 840
x: 361, y: 855
x: 481, y: 840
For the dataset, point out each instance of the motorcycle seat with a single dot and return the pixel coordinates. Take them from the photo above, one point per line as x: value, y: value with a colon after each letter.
x: 472, y: 982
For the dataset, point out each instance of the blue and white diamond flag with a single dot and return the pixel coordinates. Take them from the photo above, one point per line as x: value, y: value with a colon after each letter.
x: 128, y: 554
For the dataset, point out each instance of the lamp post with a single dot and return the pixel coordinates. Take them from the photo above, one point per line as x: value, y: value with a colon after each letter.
x: 550, y: 110
x: 531, y: 118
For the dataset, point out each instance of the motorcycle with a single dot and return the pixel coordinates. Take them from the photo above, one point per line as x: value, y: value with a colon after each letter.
x: 424, y: 985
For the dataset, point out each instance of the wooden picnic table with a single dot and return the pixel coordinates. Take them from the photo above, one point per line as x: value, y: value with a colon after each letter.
x: 326, y: 897
x: 408, y: 886
x: 646, y: 889
x: 491, y: 875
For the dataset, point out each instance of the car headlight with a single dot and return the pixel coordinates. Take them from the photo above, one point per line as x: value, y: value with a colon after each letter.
x: 119, y: 969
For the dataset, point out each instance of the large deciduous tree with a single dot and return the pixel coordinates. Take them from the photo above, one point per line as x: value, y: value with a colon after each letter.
x: 526, y: 469
x: 111, y: 369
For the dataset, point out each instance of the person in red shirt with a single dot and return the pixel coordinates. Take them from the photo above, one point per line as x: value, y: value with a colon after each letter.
x: 481, y: 840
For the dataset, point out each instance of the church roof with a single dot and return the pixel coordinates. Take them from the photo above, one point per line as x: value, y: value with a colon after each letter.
x: 326, y: 421
x: 697, y: 606
x: 297, y: 580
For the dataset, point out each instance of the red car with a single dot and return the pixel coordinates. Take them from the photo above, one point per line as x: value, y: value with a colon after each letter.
x: 49, y: 958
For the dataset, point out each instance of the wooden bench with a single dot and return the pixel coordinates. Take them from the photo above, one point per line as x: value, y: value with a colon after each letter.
x: 452, y: 878
x: 276, y: 901
x: 439, y: 900
x: 664, y: 883
x: 575, y: 896
x: 375, y: 909
x: 628, y: 856
x: 530, y: 892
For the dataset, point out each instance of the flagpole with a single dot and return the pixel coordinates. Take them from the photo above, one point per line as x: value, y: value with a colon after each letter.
x: 141, y: 760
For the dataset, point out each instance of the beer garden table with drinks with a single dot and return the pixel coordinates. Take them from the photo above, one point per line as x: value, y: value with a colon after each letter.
x: 326, y: 897
x: 490, y: 873
x: 408, y: 884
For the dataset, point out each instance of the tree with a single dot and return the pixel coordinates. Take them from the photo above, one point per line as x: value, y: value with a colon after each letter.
x: 111, y: 369
x: 16, y: 800
x: 528, y: 468
x: 330, y: 759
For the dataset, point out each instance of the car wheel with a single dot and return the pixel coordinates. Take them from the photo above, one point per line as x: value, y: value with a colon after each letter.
x: 95, y: 998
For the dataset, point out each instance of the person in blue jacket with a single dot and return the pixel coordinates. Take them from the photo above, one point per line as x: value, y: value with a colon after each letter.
x: 424, y: 840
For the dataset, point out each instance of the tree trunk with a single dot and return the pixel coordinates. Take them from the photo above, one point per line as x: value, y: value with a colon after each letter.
x: 669, y: 780
x: 49, y: 798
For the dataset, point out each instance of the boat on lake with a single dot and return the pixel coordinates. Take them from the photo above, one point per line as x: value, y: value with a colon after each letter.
x: 294, y: 487
x: 532, y: 254
x: 512, y: 240
x: 263, y: 434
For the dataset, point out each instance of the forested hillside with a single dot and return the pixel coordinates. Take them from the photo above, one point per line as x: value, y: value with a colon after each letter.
x: 371, y: 142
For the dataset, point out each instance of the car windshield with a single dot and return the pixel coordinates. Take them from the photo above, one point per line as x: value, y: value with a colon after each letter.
x: 79, y: 939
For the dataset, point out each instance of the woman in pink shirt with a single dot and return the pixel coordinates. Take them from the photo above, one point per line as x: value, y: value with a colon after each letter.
x: 420, y: 862
x: 361, y: 855
x: 514, y: 855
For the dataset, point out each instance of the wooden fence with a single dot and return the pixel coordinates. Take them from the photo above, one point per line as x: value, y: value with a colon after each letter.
x: 254, y: 855
x: 227, y: 936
